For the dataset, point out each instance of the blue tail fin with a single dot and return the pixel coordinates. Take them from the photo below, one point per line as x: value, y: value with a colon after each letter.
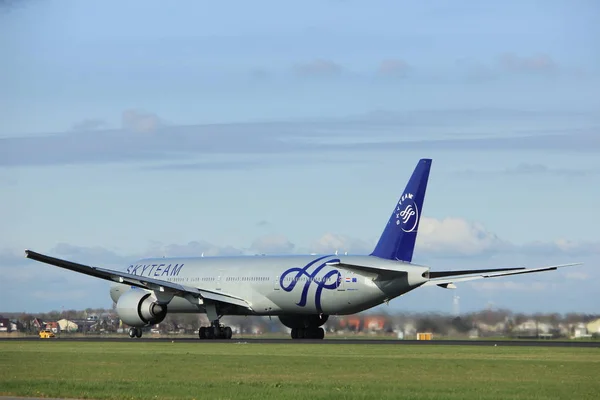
x: 397, y: 241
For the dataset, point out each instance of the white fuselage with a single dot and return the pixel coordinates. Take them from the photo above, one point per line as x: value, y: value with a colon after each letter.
x: 276, y: 285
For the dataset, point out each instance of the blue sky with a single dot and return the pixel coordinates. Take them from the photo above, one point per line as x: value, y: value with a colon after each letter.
x: 144, y: 129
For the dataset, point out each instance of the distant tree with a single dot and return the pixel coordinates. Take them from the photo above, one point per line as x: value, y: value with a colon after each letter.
x: 520, y: 318
x: 573, y: 318
x: 432, y: 323
x: 554, y: 320
x: 25, y: 320
x: 53, y: 315
x: 462, y: 325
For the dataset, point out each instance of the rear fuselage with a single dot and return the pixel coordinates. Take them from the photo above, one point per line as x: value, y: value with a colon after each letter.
x: 276, y: 285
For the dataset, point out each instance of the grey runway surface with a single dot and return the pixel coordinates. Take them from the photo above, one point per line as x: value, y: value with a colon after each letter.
x: 523, y: 343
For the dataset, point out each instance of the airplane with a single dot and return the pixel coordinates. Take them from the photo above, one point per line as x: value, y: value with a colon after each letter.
x: 301, y: 290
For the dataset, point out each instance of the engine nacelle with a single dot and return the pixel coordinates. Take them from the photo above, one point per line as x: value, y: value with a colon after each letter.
x: 303, y: 321
x: 137, y: 308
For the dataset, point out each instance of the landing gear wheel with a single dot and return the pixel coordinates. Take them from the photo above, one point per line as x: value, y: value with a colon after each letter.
x: 208, y: 333
x: 308, y: 333
x: 320, y: 333
x: 215, y: 331
x: 135, y: 332
x: 228, y: 332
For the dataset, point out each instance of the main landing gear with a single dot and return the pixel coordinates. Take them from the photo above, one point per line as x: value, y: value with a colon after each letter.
x: 308, y: 333
x: 215, y: 331
x: 135, y: 332
x: 305, y: 326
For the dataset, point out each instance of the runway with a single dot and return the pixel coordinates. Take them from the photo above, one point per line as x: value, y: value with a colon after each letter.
x: 521, y: 343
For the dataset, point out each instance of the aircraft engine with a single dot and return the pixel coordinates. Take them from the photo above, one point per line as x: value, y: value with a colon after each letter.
x: 137, y: 308
x: 303, y: 321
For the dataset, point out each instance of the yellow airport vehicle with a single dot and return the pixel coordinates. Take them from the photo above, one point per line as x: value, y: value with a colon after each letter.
x: 47, y: 334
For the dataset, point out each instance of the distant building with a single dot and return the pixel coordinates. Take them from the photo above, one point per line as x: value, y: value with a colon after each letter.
x: 484, y: 329
x: 532, y: 328
x: 5, y: 325
x: 37, y: 324
x: 67, y: 326
x: 374, y: 323
x: 593, y: 326
x: 53, y: 326
x: 580, y: 331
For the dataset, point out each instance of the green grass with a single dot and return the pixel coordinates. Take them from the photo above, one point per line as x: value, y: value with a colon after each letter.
x: 166, y: 370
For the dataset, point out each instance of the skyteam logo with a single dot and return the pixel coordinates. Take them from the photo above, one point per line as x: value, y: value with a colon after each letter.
x: 407, y: 213
x: 301, y: 275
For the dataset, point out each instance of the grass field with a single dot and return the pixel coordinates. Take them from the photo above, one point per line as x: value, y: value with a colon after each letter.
x: 167, y: 370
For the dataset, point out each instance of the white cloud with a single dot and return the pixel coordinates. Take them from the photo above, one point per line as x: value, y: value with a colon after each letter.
x: 272, y: 244
x: 84, y: 253
x: 70, y: 295
x: 450, y: 237
x: 193, y: 249
x: 579, y: 276
x: 535, y: 63
x: 89, y: 124
x: 562, y: 246
x: 393, y: 68
x: 180, y: 143
x: 138, y: 121
x: 331, y: 242
x: 456, y: 236
x: 529, y: 169
x: 319, y: 67
x: 503, y: 285
x: 453, y: 237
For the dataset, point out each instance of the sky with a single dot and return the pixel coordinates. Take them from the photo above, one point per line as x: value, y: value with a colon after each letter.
x: 144, y: 128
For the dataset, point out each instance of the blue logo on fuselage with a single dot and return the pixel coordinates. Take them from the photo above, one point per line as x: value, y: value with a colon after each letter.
x: 310, y: 278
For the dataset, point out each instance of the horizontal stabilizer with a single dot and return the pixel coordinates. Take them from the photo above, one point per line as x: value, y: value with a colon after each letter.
x: 443, y: 274
x: 449, y: 282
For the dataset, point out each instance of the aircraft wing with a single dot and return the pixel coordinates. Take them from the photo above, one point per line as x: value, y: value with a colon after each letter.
x: 140, y: 281
x: 448, y: 283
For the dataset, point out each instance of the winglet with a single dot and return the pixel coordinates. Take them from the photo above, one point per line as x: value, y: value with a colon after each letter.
x: 397, y: 242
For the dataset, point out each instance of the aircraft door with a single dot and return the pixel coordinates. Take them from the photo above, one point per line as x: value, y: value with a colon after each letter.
x: 218, y: 280
x: 342, y: 279
x: 276, y: 283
